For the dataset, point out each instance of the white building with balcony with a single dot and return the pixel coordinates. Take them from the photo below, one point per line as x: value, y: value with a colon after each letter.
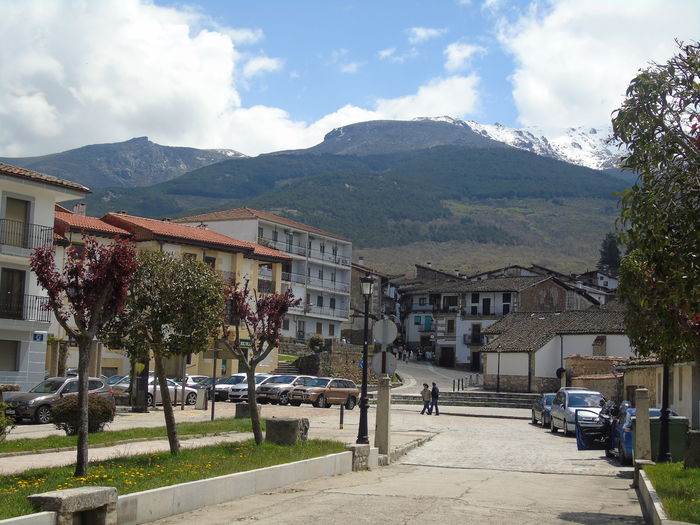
x: 319, y: 273
x: 27, y: 201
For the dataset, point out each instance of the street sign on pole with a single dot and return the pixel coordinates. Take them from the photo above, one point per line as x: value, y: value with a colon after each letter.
x: 384, y: 331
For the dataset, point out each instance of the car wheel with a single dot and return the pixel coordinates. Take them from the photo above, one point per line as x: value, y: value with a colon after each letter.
x: 533, y: 419
x: 546, y: 422
x: 567, y: 432
x: 149, y: 399
x: 284, y: 398
x: 191, y: 398
x: 552, y: 426
x: 350, y: 403
x: 320, y: 402
x: 43, y: 414
x: 624, y: 460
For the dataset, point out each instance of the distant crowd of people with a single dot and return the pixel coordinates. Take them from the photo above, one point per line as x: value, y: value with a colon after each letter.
x: 410, y: 354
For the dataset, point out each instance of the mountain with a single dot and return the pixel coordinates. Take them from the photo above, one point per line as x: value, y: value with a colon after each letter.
x: 136, y: 162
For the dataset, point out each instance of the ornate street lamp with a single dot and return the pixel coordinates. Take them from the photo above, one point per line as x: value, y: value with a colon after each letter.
x: 366, y: 283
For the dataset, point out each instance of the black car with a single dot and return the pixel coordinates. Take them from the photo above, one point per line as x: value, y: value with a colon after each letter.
x: 541, y: 409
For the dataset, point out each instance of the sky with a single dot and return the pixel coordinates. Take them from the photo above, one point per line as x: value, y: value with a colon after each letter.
x: 266, y: 75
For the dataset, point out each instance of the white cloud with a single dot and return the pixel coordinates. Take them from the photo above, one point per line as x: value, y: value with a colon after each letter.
x: 385, y: 54
x: 575, y: 58
x: 243, y: 36
x: 77, y: 73
x: 416, y: 35
x: 458, y: 56
x: 350, y: 67
x: 260, y: 65
x: 399, y: 58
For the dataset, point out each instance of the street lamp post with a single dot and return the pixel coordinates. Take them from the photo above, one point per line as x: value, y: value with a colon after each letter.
x: 362, y: 432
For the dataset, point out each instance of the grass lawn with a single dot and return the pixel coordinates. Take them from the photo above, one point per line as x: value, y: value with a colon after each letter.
x: 137, y: 473
x: 287, y: 358
x: 679, y: 490
x: 108, y: 437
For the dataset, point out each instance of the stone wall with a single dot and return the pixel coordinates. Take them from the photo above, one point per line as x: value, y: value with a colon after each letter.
x: 608, y: 385
x: 643, y: 377
x: 546, y: 384
x: 544, y: 297
x: 580, y: 365
x: 508, y: 383
x: 342, y: 363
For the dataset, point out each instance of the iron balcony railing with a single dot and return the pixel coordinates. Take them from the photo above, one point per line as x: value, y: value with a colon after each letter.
x: 25, y: 308
x: 326, y: 310
x: 283, y: 246
x: 24, y: 234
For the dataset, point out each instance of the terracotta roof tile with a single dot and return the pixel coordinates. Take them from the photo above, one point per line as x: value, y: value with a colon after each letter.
x: 238, y: 214
x: 146, y: 229
x: 23, y: 173
x: 64, y: 222
x: 58, y: 207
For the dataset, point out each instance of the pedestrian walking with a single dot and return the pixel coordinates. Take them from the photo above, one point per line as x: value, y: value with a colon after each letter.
x: 425, y: 394
x: 434, y: 394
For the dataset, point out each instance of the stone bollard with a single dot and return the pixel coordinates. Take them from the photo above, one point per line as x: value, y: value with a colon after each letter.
x: 382, y: 430
x: 93, y: 505
x: 243, y: 411
x: 364, y: 457
x: 642, y: 436
x: 692, y: 450
x: 286, y: 431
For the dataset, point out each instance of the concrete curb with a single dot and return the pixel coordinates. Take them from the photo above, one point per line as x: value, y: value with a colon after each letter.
x: 651, y: 503
x: 111, y: 444
x: 40, y: 518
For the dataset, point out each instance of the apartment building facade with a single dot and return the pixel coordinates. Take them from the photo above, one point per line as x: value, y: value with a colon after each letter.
x: 27, y: 200
x: 319, y: 271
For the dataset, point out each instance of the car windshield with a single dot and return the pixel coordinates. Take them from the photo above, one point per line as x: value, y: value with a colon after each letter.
x: 282, y: 379
x: 319, y: 381
x: 260, y: 379
x: 589, y: 399
x: 50, y: 386
x: 548, y: 398
x: 233, y: 380
x: 114, y: 379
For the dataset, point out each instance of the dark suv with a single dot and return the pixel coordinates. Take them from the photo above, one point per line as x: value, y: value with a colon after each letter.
x: 36, y: 404
x: 277, y: 389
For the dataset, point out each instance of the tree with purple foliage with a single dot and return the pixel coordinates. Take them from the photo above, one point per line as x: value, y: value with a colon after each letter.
x: 90, y: 290
x: 262, y: 317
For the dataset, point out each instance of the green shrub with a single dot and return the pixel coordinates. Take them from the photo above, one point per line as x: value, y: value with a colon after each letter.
x: 66, y: 414
x: 316, y: 343
x: 6, y: 423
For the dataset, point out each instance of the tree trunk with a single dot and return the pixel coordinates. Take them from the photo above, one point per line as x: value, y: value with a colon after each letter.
x: 81, y: 463
x: 253, y: 404
x: 168, y: 411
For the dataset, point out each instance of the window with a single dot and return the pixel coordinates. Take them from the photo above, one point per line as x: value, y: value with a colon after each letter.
x: 476, y: 334
x: 486, y: 306
x: 9, y: 355
x: 335, y: 251
x: 285, y: 324
x: 506, y: 297
x: 475, y: 310
x: 274, y: 235
x: 331, y: 302
x: 319, y: 328
x: 475, y: 298
x: 210, y: 261
x: 260, y: 232
x: 451, y: 300
x: 416, y: 319
x: 320, y: 274
x: 331, y: 330
x: 308, y: 298
x: 319, y: 300
x: 422, y: 301
x: 332, y: 277
x: 322, y: 247
x: 450, y: 326
x: 189, y: 256
x: 506, y: 309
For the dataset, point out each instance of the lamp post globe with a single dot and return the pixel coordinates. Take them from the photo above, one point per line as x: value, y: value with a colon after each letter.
x: 366, y: 283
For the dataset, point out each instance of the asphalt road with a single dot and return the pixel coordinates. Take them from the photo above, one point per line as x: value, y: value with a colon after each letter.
x: 415, y: 373
x: 476, y: 470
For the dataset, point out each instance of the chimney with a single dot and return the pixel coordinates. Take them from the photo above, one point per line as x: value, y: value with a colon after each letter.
x: 79, y: 209
x: 361, y: 261
x: 430, y: 265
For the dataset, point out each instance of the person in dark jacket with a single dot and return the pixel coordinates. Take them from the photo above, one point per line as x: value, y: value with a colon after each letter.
x: 434, y: 394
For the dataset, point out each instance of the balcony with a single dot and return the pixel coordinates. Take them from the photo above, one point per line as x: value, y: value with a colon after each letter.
x: 25, y: 308
x: 332, y: 286
x: 266, y: 286
x: 329, y: 257
x: 283, y: 246
x: 330, y: 312
x: 24, y: 234
x: 473, y: 339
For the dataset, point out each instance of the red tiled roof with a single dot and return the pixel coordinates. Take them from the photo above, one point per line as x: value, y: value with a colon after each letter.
x: 58, y: 207
x: 238, y: 214
x: 22, y: 173
x: 68, y: 221
x: 147, y: 229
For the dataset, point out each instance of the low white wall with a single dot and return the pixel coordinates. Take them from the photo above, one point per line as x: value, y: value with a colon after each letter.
x: 150, y: 505
x: 40, y: 518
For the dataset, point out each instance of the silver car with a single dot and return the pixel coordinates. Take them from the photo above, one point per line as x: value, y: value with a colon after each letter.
x: 190, y: 393
x: 576, y: 404
x: 239, y: 392
x: 277, y: 389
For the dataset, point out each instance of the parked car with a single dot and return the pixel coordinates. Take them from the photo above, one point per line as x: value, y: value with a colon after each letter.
x: 541, y: 409
x: 277, y: 389
x: 36, y: 404
x: 115, y: 379
x: 323, y: 392
x: 568, y: 402
x: 239, y: 392
x: 191, y: 380
x: 190, y: 393
x: 621, y: 431
x: 223, y: 386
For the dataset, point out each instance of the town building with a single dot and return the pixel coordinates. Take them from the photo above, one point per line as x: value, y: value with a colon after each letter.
x: 381, y: 303
x: 319, y: 271
x: 27, y: 200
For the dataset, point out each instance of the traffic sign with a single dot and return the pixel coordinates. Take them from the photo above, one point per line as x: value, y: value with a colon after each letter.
x: 384, y: 331
x: 390, y: 363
